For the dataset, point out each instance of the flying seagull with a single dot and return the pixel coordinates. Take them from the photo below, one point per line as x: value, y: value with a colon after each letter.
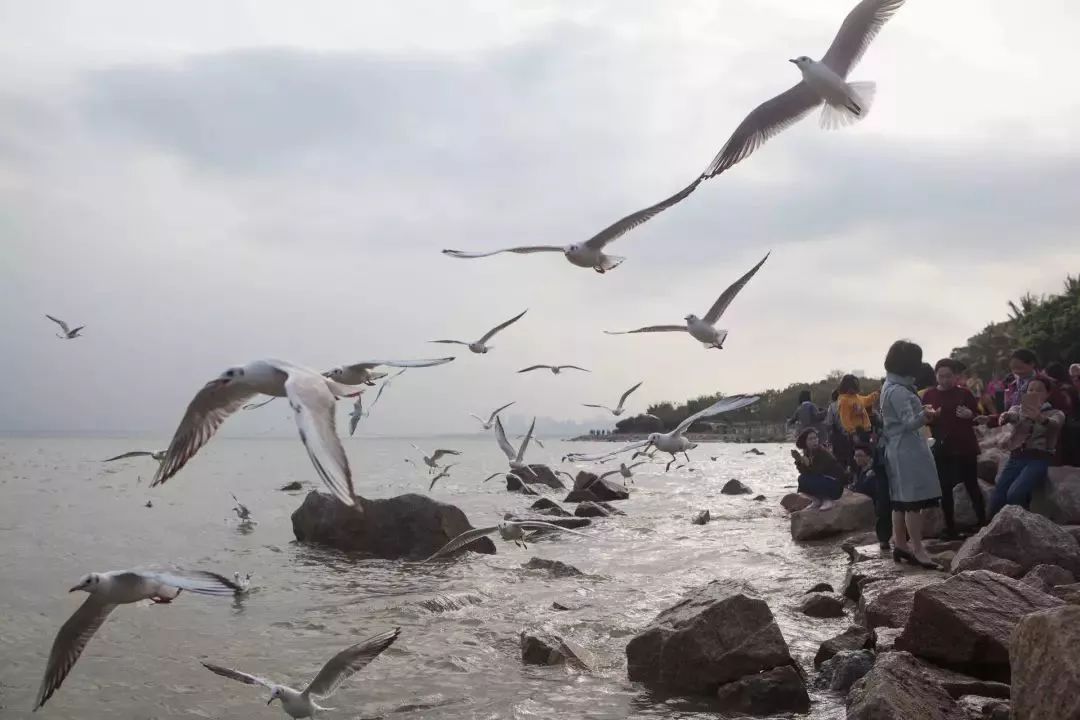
x: 445, y: 472
x: 490, y: 422
x: 704, y: 329
x: 159, y: 455
x: 624, y: 470
x: 432, y: 461
x: 508, y: 529
x: 480, y: 346
x: 516, y: 458
x: 555, y: 369
x: 618, y: 409
x: 358, y: 411
x: 106, y: 591
x: 824, y: 81
x: 535, y: 440
x: 302, y: 703
x: 590, y: 254
x: 312, y: 399
x: 68, y: 333
x: 363, y: 373
x: 241, y: 509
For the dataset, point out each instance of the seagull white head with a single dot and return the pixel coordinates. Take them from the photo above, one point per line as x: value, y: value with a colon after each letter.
x: 233, y: 373
x: 801, y: 61
x: 275, y: 694
x: 691, y: 318
x: 87, y: 583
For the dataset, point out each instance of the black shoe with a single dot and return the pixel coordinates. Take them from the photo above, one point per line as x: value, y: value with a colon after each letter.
x: 898, y: 555
x: 928, y: 565
x: 885, y: 547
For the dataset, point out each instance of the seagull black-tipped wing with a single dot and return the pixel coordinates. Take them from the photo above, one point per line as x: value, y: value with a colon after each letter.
x: 860, y: 27
x: 631, y: 221
x: 491, y: 333
x: 69, y: 644
x: 462, y: 540
x: 348, y: 662
x: 728, y: 295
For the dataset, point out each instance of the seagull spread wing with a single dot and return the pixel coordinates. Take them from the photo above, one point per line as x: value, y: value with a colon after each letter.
x: 69, y: 644
x: 491, y: 333
x: 525, y: 443
x: 63, y: 325
x: 450, y: 342
x: 604, y: 456
x: 504, y: 444
x: 237, y: 675
x: 313, y: 409
x: 626, y: 395
x: 631, y: 221
x: 200, y: 582
x: 444, y: 473
x: 728, y: 295
x: 573, y: 367
x: 493, y: 475
x: 439, y: 453
x: 766, y: 120
x: 728, y: 404
x: 133, y: 453
x: 649, y: 329
x: 534, y: 367
x: 540, y: 525
x: 519, y: 250
x: 355, y: 415
x: 210, y: 407
x: 462, y: 540
x: 602, y: 407
x: 860, y: 27
x: 495, y: 413
x: 348, y: 662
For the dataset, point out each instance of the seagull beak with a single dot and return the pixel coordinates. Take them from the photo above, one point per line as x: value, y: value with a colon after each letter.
x: 793, y: 61
x: 74, y: 589
x: 270, y: 700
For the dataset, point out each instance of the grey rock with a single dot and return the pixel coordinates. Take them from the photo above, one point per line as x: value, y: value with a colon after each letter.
x: 735, y: 487
x: 822, y: 605
x: 1024, y: 538
x: 821, y: 587
x: 854, y: 638
x: 701, y: 517
x: 853, y: 511
x: 840, y: 672
x: 1044, y: 654
x: 1046, y: 577
x: 556, y: 568
x: 779, y: 690
x: 549, y: 507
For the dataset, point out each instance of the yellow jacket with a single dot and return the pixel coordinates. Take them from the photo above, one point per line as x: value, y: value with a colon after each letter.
x: 853, y: 411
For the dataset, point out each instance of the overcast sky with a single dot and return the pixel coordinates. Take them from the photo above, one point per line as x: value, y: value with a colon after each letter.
x: 205, y: 183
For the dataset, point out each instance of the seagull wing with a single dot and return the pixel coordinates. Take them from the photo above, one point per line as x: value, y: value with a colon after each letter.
x: 525, y: 443
x: 207, y: 410
x: 439, y: 453
x: 860, y: 27
x: 573, y: 367
x: 63, y: 325
x: 495, y: 413
x: 256, y: 406
x: 519, y: 250
x: 649, y: 329
x: 534, y: 367
x: 348, y: 662
x: 133, y: 453
x: 450, y: 342
x: 462, y: 540
x: 604, y: 456
x: 504, y: 444
x: 199, y: 582
x: 354, y: 416
x: 766, y: 120
x: 424, y: 362
x: 383, y: 385
x: 728, y: 295
x: 602, y: 407
x: 313, y: 409
x: 491, y: 333
x: 237, y: 675
x: 728, y: 404
x: 626, y: 395
x: 539, y: 525
x: 609, y: 474
x: 631, y: 221
x: 493, y: 475
x: 69, y: 644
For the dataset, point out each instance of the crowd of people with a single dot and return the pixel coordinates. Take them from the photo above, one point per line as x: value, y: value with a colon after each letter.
x: 910, y: 444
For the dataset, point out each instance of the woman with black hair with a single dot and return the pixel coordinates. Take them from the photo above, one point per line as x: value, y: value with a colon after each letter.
x: 807, y: 414
x: 913, y: 479
x: 820, y: 475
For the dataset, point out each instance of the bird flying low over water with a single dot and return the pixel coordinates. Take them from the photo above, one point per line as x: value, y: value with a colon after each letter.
x: 590, y: 254
x: 432, y: 461
x: 512, y: 530
x: 490, y: 422
x: 824, y: 82
x: 618, y: 409
x: 445, y: 472
x: 555, y: 369
x: 158, y: 455
x: 480, y: 346
x: 67, y: 333
x: 704, y: 329
x: 363, y: 373
x: 358, y: 412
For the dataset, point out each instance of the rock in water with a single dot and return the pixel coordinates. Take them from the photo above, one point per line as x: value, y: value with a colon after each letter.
x: 1058, y: 497
x: 841, y: 671
x: 1045, y: 577
x: 888, y: 603
x: 542, y: 648
x: 715, y: 635
x: 965, y: 622
x: 1045, y: 659
x: 860, y: 575
x: 900, y: 687
x: 735, y: 487
x: 596, y: 509
x: 794, y: 502
x: 779, y: 690
x: 293, y: 486
x: 1025, y: 538
x: 406, y: 526
x: 450, y: 602
x: 549, y: 507
x: 854, y: 638
x: 546, y: 476
x: 701, y: 517
x: 514, y: 484
x: 853, y: 511
x: 821, y: 587
x: 588, y: 487
x: 822, y: 605
x: 760, y: 498
x: 557, y: 568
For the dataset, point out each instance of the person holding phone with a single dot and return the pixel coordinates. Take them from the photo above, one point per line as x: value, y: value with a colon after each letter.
x: 820, y: 475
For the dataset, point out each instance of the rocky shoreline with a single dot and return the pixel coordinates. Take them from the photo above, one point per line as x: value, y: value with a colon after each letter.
x: 693, y: 437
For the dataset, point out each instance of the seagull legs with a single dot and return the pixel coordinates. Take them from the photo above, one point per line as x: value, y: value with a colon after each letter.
x: 686, y: 456
x: 672, y: 460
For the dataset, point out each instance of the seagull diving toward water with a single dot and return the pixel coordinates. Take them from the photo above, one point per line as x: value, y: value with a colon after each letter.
x: 301, y: 703
x: 358, y: 411
x: 363, y: 373
x: 624, y: 470
x: 824, y: 81
x: 508, y: 530
x: 445, y: 472
x: 159, y: 455
x: 618, y: 410
x: 516, y: 458
x: 106, y: 591
x: 590, y: 254
x: 311, y: 396
x: 490, y: 422
x: 432, y: 461
x: 704, y: 329
x: 68, y: 333
x: 480, y: 346
x: 555, y: 369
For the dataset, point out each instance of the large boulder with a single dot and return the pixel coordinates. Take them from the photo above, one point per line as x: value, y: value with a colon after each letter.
x: 780, y: 690
x: 715, y: 635
x: 842, y: 670
x: 854, y: 638
x: 900, y: 687
x: 1025, y: 538
x: 407, y: 526
x: 965, y: 622
x: 853, y: 511
x: 793, y: 502
x: 735, y: 487
x: 544, y: 475
x: 1045, y: 657
x: 549, y: 507
x: 822, y: 605
x: 888, y: 603
x: 986, y: 561
x: 590, y: 488
x: 963, y: 510
x: 519, y: 482
x: 1058, y: 498
x: 596, y: 509
x: 1045, y: 577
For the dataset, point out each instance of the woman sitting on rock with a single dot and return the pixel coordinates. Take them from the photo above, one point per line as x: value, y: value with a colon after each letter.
x: 821, y: 476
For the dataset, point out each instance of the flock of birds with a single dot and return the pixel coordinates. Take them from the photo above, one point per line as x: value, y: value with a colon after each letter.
x: 312, y: 395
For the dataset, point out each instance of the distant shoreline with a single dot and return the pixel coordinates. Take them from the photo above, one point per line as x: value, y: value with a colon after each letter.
x: 693, y: 437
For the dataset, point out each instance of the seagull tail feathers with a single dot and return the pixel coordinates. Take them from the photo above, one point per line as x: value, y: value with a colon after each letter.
x: 860, y: 98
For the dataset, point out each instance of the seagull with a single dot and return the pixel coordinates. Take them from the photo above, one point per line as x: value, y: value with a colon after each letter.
x: 107, y: 590
x: 68, y: 333
x: 704, y: 329
x: 445, y: 472
x: 555, y: 369
x: 312, y: 399
x: 823, y: 81
x: 490, y: 422
x: 590, y: 254
x: 624, y: 470
x: 516, y: 458
x: 159, y: 455
x: 241, y: 510
x: 301, y: 703
x: 513, y: 530
x: 618, y: 409
x: 362, y: 373
x: 358, y: 410
x: 242, y: 581
x: 433, y: 461
x: 535, y: 440
x: 480, y: 346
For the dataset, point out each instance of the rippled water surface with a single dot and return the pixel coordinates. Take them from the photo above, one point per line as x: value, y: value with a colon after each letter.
x: 63, y: 513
